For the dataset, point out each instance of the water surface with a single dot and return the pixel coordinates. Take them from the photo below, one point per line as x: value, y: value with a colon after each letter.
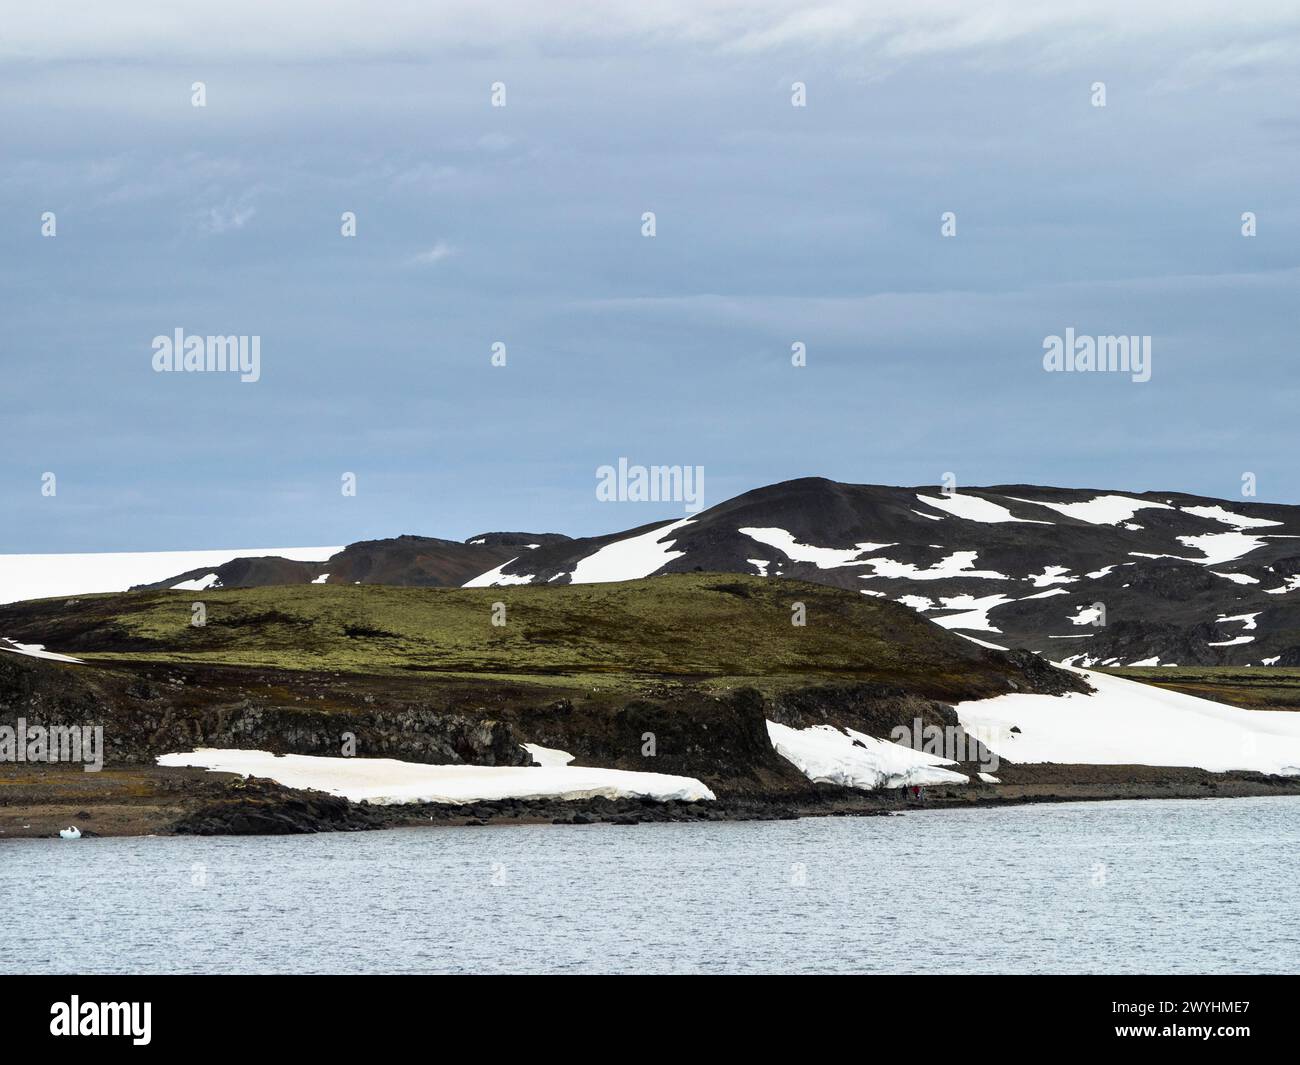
x: 1173, y: 886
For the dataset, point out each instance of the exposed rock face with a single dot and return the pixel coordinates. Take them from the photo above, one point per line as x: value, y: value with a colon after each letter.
x: 159, y: 711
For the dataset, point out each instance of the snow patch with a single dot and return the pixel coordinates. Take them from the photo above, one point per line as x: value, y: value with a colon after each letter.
x: 1247, y: 620
x: 547, y: 756
x: 1052, y: 575
x: 974, y: 508
x: 976, y: 614
x: 1128, y: 723
x: 36, y: 650
x: 387, y: 781
x: 494, y: 578
x: 1227, y: 517
x: 825, y: 755
x: 1087, y: 615
x: 199, y: 584
x: 1237, y: 578
x: 958, y: 564
x: 630, y: 559
x: 821, y: 557
x: 1100, y: 510
x: 1221, y: 547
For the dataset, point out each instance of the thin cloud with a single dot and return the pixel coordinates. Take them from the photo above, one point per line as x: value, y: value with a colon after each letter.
x: 436, y: 254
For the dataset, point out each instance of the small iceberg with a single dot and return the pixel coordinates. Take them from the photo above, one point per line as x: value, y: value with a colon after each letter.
x: 70, y: 833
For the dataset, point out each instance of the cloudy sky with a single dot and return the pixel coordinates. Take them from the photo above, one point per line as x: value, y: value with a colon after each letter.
x: 522, y: 224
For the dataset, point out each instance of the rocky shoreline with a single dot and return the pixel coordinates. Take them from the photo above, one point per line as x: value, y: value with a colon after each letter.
x: 35, y: 802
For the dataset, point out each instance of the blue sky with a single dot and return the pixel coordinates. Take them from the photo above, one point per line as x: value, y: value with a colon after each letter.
x: 521, y: 224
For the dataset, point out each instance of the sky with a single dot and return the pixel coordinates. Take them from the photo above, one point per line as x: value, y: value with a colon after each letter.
x: 523, y: 224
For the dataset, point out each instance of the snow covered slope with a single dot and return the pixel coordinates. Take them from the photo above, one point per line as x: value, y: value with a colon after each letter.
x: 1127, y: 723
x: 1024, y: 563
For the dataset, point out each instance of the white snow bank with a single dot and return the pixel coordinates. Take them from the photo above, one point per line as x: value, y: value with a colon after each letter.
x: 1218, y: 548
x: 46, y: 576
x: 1128, y: 723
x: 976, y: 614
x: 199, y: 584
x: 1100, y: 510
x: 958, y: 564
x: 1237, y: 578
x: 547, y: 756
x: 36, y: 650
x: 1227, y: 517
x: 386, y: 781
x: 821, y: 557
x: 973, y: 508
x: 1052, y: 575
x: 630, y: 559
x: 495, y: 578
x: 1247, y: 620
x: 825, y: 755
